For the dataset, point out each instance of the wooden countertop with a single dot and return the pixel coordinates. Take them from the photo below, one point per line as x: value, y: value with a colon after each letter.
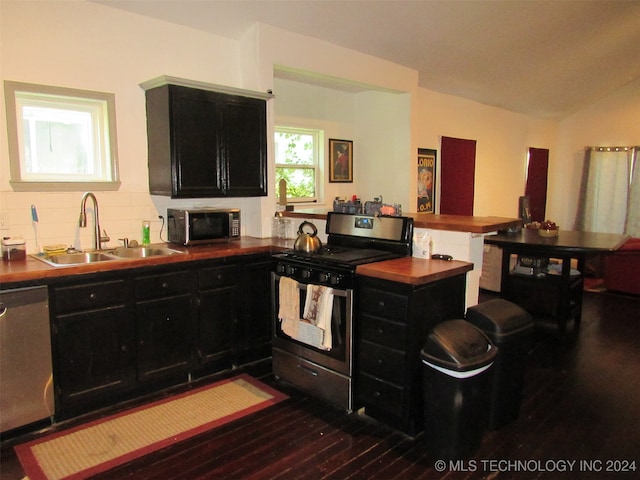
x: 31, y: 269
x: 410, y: 270
x: 414, y: 271
x: 456, y: 223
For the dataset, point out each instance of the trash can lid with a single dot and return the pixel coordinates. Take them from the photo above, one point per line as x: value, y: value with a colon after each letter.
x: 499, y: 318
x: 459, y: 346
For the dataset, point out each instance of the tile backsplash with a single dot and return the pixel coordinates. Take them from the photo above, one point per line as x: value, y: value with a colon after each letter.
x: 121, y: 215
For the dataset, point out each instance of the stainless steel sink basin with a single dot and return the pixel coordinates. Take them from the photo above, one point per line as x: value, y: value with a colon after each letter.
x: 141, y: 252
x: 79, y: 258
x: 119, y: 253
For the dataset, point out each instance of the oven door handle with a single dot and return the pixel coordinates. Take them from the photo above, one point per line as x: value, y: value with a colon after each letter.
x: 308, y: 370
x: 303, y: 286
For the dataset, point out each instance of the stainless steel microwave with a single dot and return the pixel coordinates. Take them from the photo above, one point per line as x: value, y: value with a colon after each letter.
x: 196, y: 226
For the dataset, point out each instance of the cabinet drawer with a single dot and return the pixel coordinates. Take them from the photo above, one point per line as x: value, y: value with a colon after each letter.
x: 217, y: 277
x: 379, y: 394
x: 389, y: 334
x: 384, y: 304
x: 90, y: 296
x: 313, y: 378
x: 162, y: 285
x: 382, y: 362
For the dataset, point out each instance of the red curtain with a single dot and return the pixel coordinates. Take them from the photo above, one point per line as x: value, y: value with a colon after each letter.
x: 536, y: 188
x: 458, y: 171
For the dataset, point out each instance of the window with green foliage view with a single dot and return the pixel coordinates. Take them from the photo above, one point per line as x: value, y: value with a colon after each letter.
x: 297, y: 162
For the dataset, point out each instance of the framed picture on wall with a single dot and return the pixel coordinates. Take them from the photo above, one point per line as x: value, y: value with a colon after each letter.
x: 426, y: 180
x: 340, y: 161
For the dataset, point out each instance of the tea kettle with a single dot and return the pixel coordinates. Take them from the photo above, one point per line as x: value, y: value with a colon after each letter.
x: 307, y: 242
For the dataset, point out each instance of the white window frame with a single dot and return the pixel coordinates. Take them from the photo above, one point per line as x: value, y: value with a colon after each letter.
x: 103, y: 174
x: 318, y: 153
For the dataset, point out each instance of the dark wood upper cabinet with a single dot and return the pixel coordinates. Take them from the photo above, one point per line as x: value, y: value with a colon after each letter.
x: 204, y: 143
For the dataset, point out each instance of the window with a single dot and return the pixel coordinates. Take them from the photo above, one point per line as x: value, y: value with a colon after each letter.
x: 609, y: 195
x: 297, y: 154
x: 60, y: 138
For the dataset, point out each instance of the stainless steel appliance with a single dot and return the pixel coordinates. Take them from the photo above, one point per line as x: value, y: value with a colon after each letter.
x: 26, y: 382
x: 202, y: 225
x: 352, y: 240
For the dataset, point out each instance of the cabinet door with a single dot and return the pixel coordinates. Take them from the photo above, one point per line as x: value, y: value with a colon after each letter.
x: 197, y: 169
x: 205, y: 144
x: 165, y: 337
x: 245, y: 146
x: 254, y: 336
x: 218, y: 318
x: 95, y: 356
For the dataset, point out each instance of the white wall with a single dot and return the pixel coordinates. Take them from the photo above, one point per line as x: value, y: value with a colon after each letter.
x: 377, y: 122
x: 88, y: 46
x: 503, y: 139
x: 612, y: 121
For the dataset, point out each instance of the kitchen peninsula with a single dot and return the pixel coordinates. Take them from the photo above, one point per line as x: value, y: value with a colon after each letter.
x: 460, y: 236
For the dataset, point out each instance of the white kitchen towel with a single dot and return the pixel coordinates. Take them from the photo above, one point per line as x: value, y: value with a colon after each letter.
x: 310, y: 334
x: 318, y: 309
x: 289, y: 312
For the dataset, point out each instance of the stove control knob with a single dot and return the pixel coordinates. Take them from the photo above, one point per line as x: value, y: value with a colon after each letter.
x: 324, y: 277
x: 306, y: 273
x: 280, y: 268
x: 289, y: 270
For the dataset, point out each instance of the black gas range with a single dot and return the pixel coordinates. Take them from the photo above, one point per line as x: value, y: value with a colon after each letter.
x: 352, y: 240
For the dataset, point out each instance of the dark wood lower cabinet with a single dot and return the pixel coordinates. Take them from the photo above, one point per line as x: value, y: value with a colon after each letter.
x: 254, y: 334
x: 218, y: 317
x: 393, y: 321
x: 94, y: 354
x: 119, y: 335
x: 164, y: 330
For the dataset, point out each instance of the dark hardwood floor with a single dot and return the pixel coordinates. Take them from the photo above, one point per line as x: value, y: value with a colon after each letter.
x: 580, y: 404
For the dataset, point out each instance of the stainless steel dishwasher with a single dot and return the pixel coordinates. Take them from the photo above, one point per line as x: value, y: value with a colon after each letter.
x: 26, y: 381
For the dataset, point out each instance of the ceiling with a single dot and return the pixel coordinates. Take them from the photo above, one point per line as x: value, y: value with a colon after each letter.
x: 541, y: 58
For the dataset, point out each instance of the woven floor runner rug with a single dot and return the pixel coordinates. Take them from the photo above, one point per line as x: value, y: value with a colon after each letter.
x: 98, y: 446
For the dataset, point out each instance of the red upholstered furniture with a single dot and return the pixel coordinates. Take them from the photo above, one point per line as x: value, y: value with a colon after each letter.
x: 622, y: 268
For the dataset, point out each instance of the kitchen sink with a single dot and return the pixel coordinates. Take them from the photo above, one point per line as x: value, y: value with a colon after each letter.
x: 75, y: 258
x: 142, y: 252
x: 119, y: 253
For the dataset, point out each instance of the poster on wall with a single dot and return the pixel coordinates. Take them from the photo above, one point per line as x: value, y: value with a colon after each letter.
x: 426, y: 180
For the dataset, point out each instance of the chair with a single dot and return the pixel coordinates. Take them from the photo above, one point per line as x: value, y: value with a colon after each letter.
x: 622, y: 268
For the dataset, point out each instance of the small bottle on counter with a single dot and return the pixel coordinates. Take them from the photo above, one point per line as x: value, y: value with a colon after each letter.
x: 146, y: 232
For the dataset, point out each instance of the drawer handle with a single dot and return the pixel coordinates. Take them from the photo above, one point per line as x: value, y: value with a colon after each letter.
x: 380, y: 331
x: 381, y: 304
x: 379, y: 361
x: 165, y: 285
x: 377, y: 394
x: 92, y: 296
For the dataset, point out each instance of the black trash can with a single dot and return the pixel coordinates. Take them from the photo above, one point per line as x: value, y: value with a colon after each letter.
x: 510, y: 328
x: 457, y: 359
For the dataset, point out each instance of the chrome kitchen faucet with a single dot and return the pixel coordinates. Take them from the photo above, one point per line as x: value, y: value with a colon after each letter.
x: 98, y: 239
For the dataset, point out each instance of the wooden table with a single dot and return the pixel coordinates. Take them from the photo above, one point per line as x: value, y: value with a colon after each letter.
x: 551, y: 295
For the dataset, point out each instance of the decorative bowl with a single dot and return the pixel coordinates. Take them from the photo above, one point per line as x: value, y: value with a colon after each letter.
x: 548, y: 233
